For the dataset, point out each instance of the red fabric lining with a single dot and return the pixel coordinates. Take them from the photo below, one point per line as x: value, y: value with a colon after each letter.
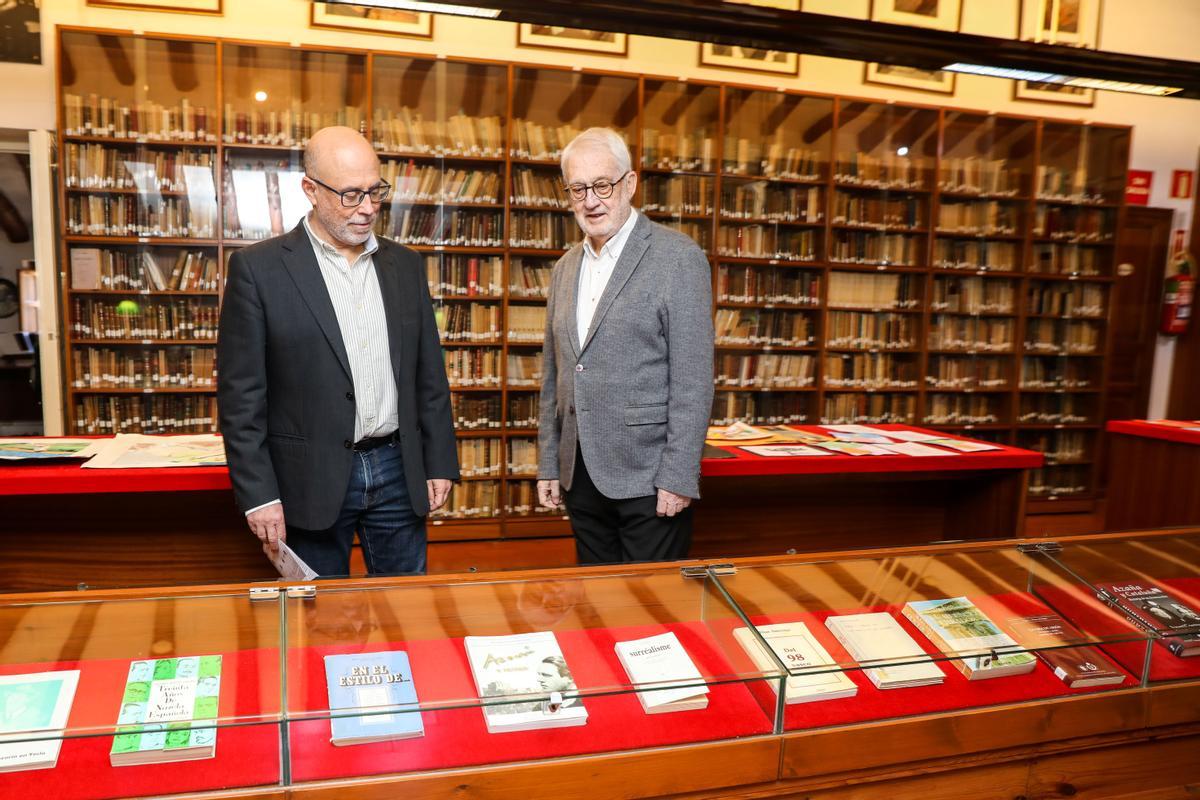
x: 1151, y: 430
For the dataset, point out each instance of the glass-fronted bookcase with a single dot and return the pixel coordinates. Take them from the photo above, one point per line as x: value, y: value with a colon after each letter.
x: 872, y: 262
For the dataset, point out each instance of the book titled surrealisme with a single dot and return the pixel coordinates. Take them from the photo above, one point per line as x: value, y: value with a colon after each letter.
x: 168, y: 711
x: 524, y: 681
x: 33, y: 714
x: 959, y: 629
x: 378, y: 689
x: 662, y: 662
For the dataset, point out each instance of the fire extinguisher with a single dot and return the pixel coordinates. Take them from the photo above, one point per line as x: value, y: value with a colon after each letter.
x: 1178, y: 297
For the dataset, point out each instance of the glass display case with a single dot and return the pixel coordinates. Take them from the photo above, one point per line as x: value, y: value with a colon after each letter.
x: 266, y: 686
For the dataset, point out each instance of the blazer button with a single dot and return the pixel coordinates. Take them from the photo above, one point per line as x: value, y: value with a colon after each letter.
x: 571, y: 410
x: 579, y: 367
x: 347, y: 444
x: 349, y: 395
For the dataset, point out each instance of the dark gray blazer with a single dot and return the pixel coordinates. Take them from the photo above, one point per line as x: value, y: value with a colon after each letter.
x: 637, y: 393
x: 284, y: 388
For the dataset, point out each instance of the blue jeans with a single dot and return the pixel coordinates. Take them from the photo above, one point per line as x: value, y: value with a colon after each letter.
x: 378, y: 507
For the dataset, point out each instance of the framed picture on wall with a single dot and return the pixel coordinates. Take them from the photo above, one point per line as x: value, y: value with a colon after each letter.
x: 1069, y: 22
x: 184, y: 6
x: 1054, y: 93
x: 368, y: 19
x: 775, y: 62
x: 556, y: 37
x: 924, y: 80
x: 945, y: 15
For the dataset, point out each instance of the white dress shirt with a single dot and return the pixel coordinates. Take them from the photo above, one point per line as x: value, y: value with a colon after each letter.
x: 358, y: 305
x: 595, y: 271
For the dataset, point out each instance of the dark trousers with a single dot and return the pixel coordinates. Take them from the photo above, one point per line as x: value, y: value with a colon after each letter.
x: 378, y: 508
x: 611, y: 531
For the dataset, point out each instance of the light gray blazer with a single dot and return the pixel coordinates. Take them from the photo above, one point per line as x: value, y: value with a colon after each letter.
x: 637, y: 393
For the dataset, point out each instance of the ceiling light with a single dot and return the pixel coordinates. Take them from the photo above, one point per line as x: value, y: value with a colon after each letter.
x: 1066, y: 80
x: 260, y: 95
x: 902, y: 151
x: 421, y: 5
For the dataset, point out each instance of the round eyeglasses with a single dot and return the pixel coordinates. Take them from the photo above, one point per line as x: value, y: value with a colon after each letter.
x: 354, y: 197
x: 602, y: 188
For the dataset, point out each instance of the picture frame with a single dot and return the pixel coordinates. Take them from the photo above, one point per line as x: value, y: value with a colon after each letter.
x: 556, y: 37
x: 1075, y: 23
x: 21, y: 20
x: 370, y: 19
x: 749, y: 59
x: 1059, y: 93
x: 937, y: 81
x: 943, y: 15
x: 214, y: 7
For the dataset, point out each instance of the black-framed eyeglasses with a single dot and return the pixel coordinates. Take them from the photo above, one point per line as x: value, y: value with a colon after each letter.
x: 602, y: 188
x: 354, y: 197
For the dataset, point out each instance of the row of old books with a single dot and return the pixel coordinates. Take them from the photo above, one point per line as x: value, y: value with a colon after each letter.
x: 677, y: 194
x: 966, y: 372
x: 523, y: 500
x: 771, y: 159
x: 146, y: 319
x: 975, y: 175
x: 863, y: 330
x: 1058, y: 446
x: 469, y: 322
x: 472, y: 412
x: 976, y: 255
x: 1073, y: 224
x: 761, y: 200
x: 290, y: 127
x: 524, y: 370
x: 739, y: 326
x: 1065, y: 299
x: 532, y: 187
x: 435, y: 226
x: 479, y: 457
x: 889, y: 171
x: 972, y: 296
x: 523, y: 410
x: 758, y: 409
x: 536, y: 142
x: 765, y: 371
x: 93, y: 115
x: 543, y: 231
x: 689, y: 151
x: 118, y: 270
x: 859, y: 247
x: 963, y: 409
x: 470, y: 500
x: 522, y: 457
x: 139, y: 215
x: 97, y: 166
x: 864, y: 290
x: 869, y: 371
x: 1061, y: 337
x: 760, y: 284
x: 145, y: 414
x: 405, y: 130
x: 1068, y: 259
x: 464, y: 276
x: 529, y: 278
x: 971, y: 334
x: 1059, y: 481
x: 1055, y: 409
x: 526, y: 323
x: 979, y: 218
x: 904, y: 212
x: 766, y: 242
x: 1066, y: 184
x: 1055, y: 373
x: 872, y: 409
x: 429, y: 183
x: 472, y: 367
x: 160, y: 368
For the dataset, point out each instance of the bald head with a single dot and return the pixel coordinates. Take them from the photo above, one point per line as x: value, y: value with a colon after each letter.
x: 338, y: 150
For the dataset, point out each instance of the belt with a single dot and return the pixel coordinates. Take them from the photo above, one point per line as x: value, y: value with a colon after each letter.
x: 378, y: 441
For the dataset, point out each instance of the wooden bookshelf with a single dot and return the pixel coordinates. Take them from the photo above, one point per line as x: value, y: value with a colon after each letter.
x: 872, y: 261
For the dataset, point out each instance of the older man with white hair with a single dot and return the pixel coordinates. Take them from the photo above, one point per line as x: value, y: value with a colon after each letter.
x: 628, y: 362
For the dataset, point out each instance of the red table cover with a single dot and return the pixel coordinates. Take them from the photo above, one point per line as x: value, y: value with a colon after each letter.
x: 1156, y: 430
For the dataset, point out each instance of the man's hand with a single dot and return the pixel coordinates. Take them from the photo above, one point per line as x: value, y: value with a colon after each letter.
x: 439, y: 490
x: 549, y: 494
x: 670, y: 504
x: 267, y: 524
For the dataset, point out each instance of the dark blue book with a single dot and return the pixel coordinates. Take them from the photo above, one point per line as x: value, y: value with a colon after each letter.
x: 372, y: 698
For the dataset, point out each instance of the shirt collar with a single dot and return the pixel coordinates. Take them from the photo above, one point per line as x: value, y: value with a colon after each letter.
x: 372, y: 243
x: 615, y: 243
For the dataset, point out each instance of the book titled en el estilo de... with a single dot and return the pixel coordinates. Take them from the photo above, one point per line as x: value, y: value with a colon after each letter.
x: 372, y: 698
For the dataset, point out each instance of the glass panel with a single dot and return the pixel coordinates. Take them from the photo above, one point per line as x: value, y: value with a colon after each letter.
x: 1152, y: 581
x: 194, y: 680
x: 934, y: 621
x: 409, y: 672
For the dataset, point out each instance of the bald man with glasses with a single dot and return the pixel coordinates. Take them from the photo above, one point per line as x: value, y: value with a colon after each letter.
x: 627, y: 375
x: 332, y: 389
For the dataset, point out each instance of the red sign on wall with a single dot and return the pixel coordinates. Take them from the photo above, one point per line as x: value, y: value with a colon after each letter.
x: 1137, y: 187
x: 1182, y: 181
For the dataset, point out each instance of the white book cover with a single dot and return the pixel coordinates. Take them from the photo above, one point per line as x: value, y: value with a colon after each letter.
x: 526, y: 672
x: 662, y: 661
x: 889, y: 656
x: 34, y: 705
x: 914, y: 436
x: 778, y: 450
x: 812, y: 672
x: 915, y: 449
x: 963, y: 445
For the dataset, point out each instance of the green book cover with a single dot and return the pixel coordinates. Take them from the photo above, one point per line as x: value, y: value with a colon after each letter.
x: 165, y: 706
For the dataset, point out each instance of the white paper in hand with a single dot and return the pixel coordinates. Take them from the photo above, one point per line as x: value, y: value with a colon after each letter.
x: 290, y: 565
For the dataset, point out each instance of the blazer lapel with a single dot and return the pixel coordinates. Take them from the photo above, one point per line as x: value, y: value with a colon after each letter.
x: 573, y: 265
x: 302, y: 266
x: 631, y: 256
x: 396, y: 305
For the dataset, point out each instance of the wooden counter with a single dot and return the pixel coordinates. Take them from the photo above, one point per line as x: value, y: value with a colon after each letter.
x: 1153, y: 474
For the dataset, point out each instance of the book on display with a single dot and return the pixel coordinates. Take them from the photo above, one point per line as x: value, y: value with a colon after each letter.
x: 33, y: 713
x: 812, y: 673
x: 168, y: 711
x: 527, y: 681
x: 373, y: 684
x: 890, y: 657
x: 1052, y: 637
x: 957, y: 627
x: 1153, y: 608
x: 663, y: 662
